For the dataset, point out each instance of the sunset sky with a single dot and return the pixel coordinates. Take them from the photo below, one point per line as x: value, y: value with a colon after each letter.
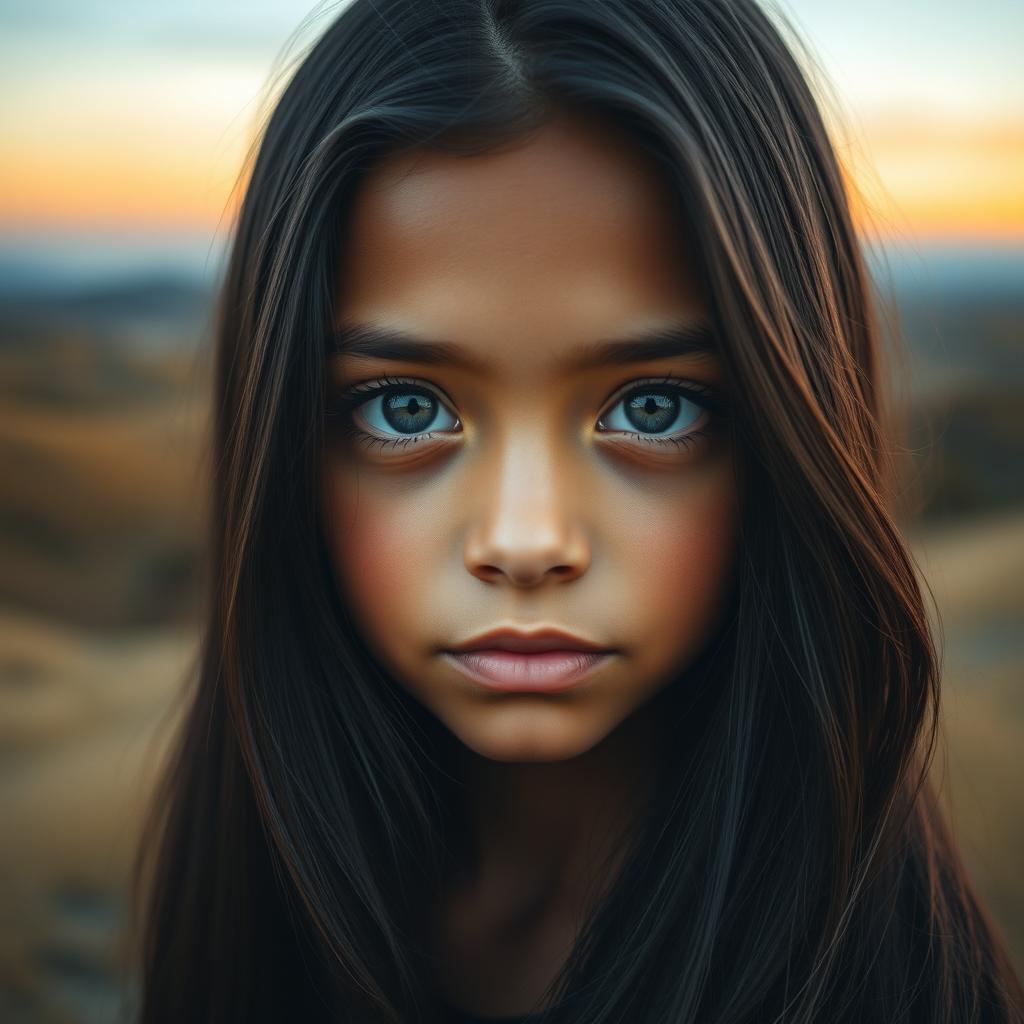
x: 136, y: 116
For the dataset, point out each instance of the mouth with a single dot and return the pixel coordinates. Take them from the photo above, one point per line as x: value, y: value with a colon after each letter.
x: 544, y: 661
x: 543, y: 672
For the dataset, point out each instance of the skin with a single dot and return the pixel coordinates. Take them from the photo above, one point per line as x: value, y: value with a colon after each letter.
x: 525, y: 513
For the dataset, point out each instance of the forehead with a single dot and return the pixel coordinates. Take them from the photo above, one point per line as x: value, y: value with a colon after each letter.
x: 570, y: 235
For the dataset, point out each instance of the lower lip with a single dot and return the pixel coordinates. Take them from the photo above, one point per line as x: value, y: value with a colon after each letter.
x: 514, y: 671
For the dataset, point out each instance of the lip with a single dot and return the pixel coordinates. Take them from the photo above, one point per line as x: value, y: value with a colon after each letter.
x: 529, y: 642
x: 542, y: 661
x: 517, y: 672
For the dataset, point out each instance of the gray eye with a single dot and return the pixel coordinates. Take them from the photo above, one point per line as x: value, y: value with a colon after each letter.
x: 654, y: 409
x: 406, y: 409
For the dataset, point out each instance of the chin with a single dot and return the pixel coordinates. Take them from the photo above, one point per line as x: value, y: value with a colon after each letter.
x: 527, y: 756
x: 526, y: 740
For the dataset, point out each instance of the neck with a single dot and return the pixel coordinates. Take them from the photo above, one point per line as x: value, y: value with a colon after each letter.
x: 545, y: 833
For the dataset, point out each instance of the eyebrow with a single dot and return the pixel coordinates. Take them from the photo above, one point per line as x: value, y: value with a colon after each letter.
x: 676, y: 338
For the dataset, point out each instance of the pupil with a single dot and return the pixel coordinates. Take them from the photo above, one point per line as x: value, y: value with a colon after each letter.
x: 652, y: 411
x: 408, y: 413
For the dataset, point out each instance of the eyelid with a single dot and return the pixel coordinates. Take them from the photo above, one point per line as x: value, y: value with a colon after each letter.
x: 702, y: 392
x: 368, y: 388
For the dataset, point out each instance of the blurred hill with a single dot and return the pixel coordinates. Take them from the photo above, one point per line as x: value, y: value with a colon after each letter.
x: 964, y: 406
x: 149, y: 311
x: 103, y: 401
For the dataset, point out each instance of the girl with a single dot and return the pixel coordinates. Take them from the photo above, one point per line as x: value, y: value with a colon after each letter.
x: 562, y: 660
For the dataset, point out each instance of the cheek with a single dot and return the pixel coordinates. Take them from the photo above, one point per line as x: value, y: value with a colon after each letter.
x: 378, y: 545
x: 680, y: 567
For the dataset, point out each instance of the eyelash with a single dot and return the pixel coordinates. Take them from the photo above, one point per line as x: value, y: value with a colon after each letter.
x: 342, y: 408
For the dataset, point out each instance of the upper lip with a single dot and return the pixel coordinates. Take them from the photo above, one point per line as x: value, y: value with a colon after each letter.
x: 536, y: 640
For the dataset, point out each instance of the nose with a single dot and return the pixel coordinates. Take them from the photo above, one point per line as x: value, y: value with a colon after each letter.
x: 526, y: 531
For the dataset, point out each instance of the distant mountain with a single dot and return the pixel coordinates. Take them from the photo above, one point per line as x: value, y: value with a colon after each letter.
x: 154, y: 296
x: 153, y: 309
x: 955, y: 269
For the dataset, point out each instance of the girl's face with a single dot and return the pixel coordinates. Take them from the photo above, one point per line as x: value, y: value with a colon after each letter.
x: 522, y: 477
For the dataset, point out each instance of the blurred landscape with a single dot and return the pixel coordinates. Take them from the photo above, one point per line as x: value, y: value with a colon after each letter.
x: 105, y: 385
x: 126, y: 134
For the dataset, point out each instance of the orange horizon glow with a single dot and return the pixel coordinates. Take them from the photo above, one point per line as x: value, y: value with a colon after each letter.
x: 921, y: 176
x: 909, y: 177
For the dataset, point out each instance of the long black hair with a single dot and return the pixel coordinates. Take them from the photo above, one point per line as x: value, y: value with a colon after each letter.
x: 796, y: 866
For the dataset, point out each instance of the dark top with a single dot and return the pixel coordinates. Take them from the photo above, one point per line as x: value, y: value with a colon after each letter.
x: 457, y: 1016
